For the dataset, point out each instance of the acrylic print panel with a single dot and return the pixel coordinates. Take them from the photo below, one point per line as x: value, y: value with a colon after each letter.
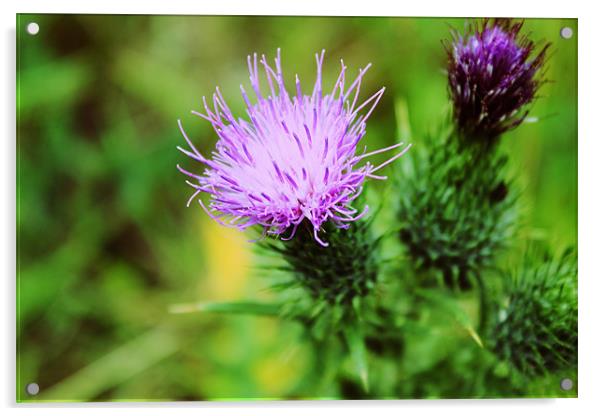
x: 398, y: 224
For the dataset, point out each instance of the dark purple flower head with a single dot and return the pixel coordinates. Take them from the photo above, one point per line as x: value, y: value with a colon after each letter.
x: 493, y: 73
x: 294, y: 157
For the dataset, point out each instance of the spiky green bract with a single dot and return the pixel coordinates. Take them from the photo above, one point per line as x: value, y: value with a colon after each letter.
x: 338, y: 273
x: 457, y: 211
x: 334, y: 279
x: 537, y: 330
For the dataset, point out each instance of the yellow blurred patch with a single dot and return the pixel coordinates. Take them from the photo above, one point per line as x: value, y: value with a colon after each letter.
x: 228, y: 259
x: 276, y: 374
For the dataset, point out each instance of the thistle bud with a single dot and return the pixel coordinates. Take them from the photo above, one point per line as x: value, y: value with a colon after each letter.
x: 494, y: 72
x: 537, y: 329
x: 456, y: 213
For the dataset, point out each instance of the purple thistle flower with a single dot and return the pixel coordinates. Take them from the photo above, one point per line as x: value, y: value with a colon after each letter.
x: 293, y: 160
x: 492, y: 74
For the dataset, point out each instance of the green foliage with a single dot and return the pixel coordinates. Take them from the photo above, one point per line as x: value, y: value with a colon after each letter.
x: 457, y: 211
x: 537, y: 328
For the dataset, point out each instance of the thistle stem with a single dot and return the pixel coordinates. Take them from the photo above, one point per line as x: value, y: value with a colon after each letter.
x: 483, y: 303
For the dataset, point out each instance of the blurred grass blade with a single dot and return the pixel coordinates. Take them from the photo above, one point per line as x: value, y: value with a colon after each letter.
x: 250, y: 308
x: 402, y: 119
x: 404, y: 134
x: 114, y: 368
x: 357, y: 348
x: 450, y: 305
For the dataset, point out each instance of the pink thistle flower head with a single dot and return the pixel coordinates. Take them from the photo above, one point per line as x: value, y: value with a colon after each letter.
x: 292, y: 160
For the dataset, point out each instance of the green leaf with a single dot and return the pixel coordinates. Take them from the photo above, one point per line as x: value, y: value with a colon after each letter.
x: 357, y: 348
x: 450, y: 305
x: 250, y: 308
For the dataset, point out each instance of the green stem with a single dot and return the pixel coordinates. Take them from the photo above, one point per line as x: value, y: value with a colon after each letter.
x: 483, y: 304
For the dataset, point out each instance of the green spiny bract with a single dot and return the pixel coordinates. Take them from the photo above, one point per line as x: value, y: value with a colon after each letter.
x: 334, y: 280
x: 457, y: 211
x: 337, y: 273
x: 537, y: 330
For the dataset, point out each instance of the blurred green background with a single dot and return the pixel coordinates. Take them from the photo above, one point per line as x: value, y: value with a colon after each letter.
x: 106, y: 244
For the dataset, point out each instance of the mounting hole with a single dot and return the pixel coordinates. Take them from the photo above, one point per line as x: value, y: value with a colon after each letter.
x: 32, y: 389
x: 33, y: 28
x: 566, y: 33
x: 566, y: 384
